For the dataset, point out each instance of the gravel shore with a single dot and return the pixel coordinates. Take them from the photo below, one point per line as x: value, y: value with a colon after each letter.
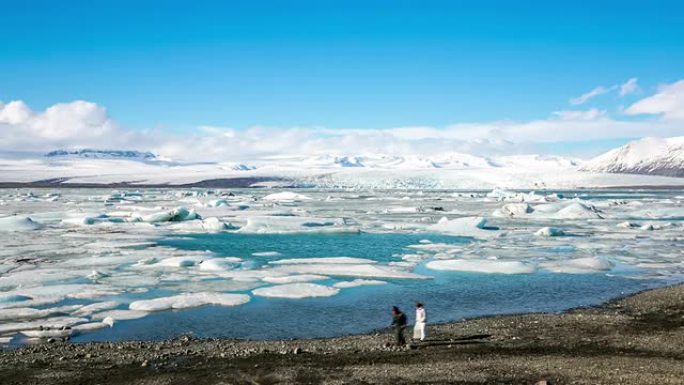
x: 636, y: 340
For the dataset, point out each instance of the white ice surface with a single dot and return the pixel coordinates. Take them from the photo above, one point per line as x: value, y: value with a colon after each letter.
x: 296, y: 290
x: 189, y: 300
x: 482, y: 266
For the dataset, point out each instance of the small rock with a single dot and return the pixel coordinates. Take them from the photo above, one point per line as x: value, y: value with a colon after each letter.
x: 297, y: 350
x: 144, y: 363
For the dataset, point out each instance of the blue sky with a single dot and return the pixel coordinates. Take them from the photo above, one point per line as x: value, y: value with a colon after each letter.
x: 177, y: 65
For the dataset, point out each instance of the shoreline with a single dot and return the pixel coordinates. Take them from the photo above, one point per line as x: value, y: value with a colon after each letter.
x: 637, y: 339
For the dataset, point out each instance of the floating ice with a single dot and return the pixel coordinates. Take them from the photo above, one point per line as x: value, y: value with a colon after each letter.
x: 18, y: 223
x: 177, y: 262
x: 286, y: 196
x: 467, y: 226
x: 31, y: 313
x: 266, y: 254
x: 218, y: 203
x: 335, y: 260
x: 219, y: 264
x: 627, y: 225
x: 189, y: 300
x: 349, y: 270
x: 550, y: 232
x: 49, y: 333
x: 578, y: 210
x: 295, y: 278
x: 175, y: 215
x: 578, y: 266
x: 88, y: 310
x: 358, y: 282
x: 52, y: 323
x: 482, y: 266
x: 292, y: 224
x: 119, y: 315
x: 296, y: 290
x: 88, y: 327
x: 211, y: 224
x: 513, y: 210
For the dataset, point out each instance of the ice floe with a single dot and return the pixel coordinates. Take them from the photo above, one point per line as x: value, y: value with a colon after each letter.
x: 189, y: 300
x: 466, y: 226
x: 357, y: 283
x: 296, y: 290
x: 295, y: 278
x: 482, y: 266
x: 286, y: 196
x: 578, y: 266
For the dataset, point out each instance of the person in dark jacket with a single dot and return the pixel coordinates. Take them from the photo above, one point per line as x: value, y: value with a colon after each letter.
x: 399, y: 324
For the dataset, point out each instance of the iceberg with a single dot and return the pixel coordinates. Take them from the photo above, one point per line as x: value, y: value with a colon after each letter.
x: 549, y: 232
x: 18, y: 223
x: 286, y: 196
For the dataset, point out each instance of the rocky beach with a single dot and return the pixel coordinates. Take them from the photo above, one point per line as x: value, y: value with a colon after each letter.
x: 635, y: 340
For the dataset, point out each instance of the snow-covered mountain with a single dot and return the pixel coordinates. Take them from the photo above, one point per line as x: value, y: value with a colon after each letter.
x: 649, y: 156
x: 102, y: 154
x: 450, y: 170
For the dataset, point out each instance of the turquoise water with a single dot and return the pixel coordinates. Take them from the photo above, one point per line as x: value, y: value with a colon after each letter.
x: 448, y: 296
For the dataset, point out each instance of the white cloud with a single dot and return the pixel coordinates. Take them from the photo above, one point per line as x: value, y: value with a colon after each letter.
x: 590, y: 114
x: 600, y: 90
x: 75, y: 124
x: 626, y: 88
x: 667, y: 102
x: 629, y: 87
x: 82, y: 124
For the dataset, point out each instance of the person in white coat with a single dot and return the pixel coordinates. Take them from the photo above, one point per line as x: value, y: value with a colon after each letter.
x: 421, y: 320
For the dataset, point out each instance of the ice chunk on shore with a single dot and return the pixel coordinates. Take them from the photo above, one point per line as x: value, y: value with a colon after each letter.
x: 286, y: 196
x: 482, y: 266
x: 296, y: 290
x: 18, y: 223
x: 549, y: 232
x: 189, y: 300
x: 578, y: 266
x: 467, y: 226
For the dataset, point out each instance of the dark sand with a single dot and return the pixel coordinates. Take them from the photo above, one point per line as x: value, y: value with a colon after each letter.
x: 637, y: 340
